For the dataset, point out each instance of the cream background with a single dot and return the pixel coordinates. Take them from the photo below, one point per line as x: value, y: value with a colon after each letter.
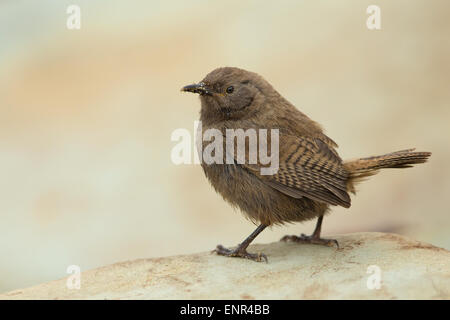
x: 86, y: 118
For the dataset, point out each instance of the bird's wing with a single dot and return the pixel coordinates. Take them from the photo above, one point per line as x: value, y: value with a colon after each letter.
x: 308, y: 167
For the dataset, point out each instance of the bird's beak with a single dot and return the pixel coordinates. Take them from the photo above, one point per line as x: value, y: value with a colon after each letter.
x: 196, y: 88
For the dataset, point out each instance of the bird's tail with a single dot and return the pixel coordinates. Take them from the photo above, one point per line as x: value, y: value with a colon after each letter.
x: 362, y: 168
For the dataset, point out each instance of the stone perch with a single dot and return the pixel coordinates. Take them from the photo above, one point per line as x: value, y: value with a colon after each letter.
x: 399, y: 267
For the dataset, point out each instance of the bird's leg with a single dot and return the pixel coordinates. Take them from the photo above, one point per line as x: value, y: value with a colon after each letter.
x: 314, y: 238
x: 241, y: 250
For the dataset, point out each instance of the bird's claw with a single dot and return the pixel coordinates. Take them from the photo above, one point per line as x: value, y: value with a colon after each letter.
x: 311, y: 240
x: 258, y: 257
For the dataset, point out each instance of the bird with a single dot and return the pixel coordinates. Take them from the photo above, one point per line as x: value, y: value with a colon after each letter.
x: 311, y: 177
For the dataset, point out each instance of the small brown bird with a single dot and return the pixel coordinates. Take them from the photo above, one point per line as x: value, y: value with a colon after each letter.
x: 311, y: 176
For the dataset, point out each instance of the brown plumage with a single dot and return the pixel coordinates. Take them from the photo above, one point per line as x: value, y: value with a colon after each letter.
x: 311, y: 175
x: 366, y: 167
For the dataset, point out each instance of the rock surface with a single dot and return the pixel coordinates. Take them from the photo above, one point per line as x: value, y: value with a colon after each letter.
x: 407, y: 269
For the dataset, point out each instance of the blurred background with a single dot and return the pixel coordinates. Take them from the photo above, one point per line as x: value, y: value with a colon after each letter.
x: 86, y: 118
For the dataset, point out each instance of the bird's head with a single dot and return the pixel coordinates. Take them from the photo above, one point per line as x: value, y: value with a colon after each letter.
x: 231, y: 93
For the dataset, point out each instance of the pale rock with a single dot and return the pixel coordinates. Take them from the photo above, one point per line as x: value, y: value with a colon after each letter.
x: 407, y: 269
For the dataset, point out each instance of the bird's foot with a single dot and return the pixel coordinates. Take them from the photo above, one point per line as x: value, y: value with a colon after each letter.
x: 241, y: 253
x: 311, y: 240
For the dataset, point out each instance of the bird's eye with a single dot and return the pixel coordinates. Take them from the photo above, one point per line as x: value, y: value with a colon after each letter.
x: 230, y: 89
